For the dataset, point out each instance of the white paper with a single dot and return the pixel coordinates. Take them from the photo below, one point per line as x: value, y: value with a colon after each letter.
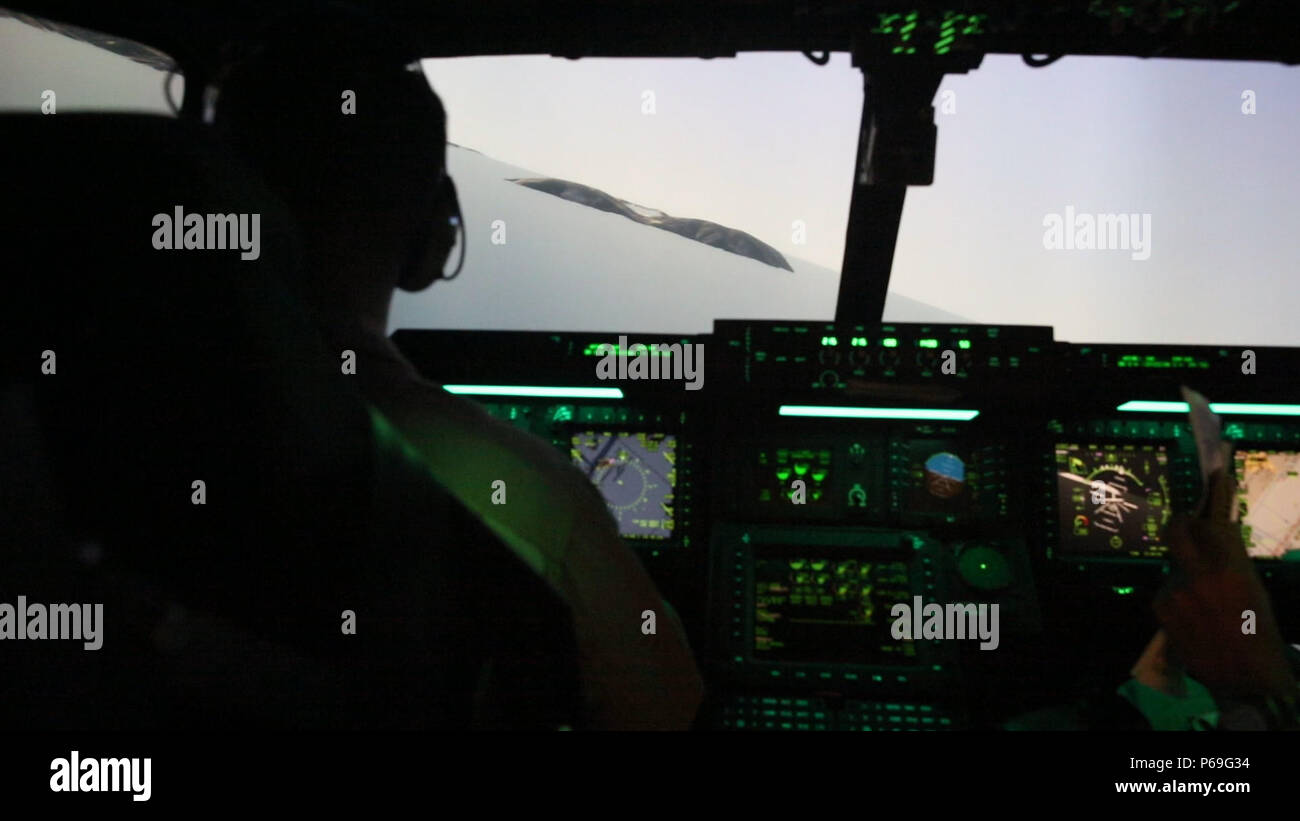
x: 1211, y: 451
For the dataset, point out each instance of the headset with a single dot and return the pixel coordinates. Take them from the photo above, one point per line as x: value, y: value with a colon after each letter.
x: 445, y: 194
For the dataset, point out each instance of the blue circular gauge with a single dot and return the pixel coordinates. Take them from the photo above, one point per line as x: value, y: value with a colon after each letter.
x: 945, y: 475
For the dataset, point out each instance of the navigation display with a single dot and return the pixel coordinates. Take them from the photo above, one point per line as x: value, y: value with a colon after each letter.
x: 1113, y: 500
x: 1268, y: 502
x: 636, y: 473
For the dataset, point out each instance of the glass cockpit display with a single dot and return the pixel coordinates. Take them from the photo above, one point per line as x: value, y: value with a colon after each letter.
x: 939, y: 481
x: 1268, y: 502
x: 636, y: 473
x: 819, y: 608
x: 1113, y: 500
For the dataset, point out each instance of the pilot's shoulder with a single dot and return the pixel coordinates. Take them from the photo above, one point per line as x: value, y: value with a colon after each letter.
x: 538, y: 454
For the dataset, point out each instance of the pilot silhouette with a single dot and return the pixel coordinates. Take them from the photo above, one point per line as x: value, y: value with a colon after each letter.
x: 352, y: 138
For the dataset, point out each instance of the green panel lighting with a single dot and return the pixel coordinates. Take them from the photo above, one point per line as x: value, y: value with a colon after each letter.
x: 843, y: 412
x: 1155, y: 361
x: 636, y: 349
x: 889, y: 342
x: 1255, y: 410
x: 535, y: 391
x: 964, y: 344
x: 830, y: 341
x: 858, y: 342
x: 906, y: 31
x: 1144, y: 406
x: 928, y: 343
x: 947, y: 33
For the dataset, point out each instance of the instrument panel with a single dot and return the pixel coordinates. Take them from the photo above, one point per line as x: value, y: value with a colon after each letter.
x: 897, y: 527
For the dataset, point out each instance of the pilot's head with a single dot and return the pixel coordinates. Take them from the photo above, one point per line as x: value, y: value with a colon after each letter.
x: 344, y: 127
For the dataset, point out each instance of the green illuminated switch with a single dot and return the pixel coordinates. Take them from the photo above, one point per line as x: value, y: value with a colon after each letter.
x: 857, y: 496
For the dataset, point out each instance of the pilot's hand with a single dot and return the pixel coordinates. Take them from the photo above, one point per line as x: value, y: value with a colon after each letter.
x: 1206, y: 609
x: 1156, y: 668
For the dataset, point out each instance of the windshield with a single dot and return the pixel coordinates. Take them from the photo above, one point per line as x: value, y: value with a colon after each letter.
x: 1115, y: 199
x: 650, y: 195
x: 51, y: 67
x: 1196, y: 159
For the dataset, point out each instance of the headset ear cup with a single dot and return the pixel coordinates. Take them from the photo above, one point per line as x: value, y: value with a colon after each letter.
x: 458, y: 221
x: 435, y: 243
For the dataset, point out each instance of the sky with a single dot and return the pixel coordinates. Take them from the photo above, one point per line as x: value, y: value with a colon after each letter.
x: 754, y: 142
x: 764, y: 141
